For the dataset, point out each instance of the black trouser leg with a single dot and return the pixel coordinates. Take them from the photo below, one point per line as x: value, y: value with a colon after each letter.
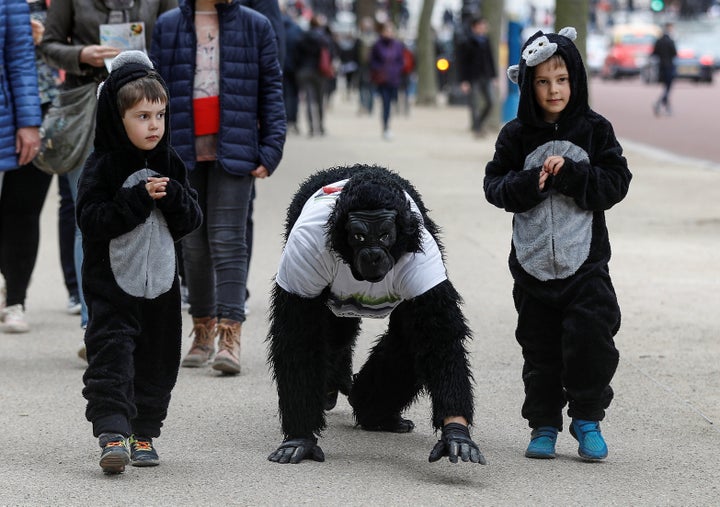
x: 157, y: 360
x: 66, y: 235
x: 21, y: 202
x: 539, y: 334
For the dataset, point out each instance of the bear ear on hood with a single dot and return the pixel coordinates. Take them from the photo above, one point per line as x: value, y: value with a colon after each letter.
x: 130, y: 56
x: 568, y: 32
x: 513, y: 73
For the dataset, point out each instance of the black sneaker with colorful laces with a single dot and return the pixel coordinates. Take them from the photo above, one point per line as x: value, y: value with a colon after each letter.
x: 142, y: 452
x: 115, y: 453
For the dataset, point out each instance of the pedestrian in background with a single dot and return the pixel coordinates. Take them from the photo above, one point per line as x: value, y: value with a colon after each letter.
x: 311, y: 81
x: 386, y: 69
x: 477, y: 73
x: 291, y: 89
x: 194, y: 50
x: 134, y: 202
x: 557, y: 167
x: 665, y: 51
x: 20, y: 200
x: 365, y: 40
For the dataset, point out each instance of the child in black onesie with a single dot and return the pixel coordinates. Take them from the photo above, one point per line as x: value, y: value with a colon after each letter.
x: 558, y: 167
x: 134, y: 202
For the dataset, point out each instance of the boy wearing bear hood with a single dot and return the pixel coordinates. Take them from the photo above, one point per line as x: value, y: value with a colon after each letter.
x: 557, y: 167
x: 134, y: 202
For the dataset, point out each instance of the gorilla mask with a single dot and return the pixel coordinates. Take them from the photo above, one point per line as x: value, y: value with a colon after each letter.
x: 371, y: 234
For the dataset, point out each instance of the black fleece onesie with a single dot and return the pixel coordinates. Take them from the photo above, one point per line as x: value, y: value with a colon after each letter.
x: 567, y: 308
x: 130, y: 279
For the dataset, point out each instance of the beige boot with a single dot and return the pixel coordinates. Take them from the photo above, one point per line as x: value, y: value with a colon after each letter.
x: 202, y: 348
x: 227, y: 359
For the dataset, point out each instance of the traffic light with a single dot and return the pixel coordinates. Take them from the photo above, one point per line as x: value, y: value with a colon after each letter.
x: 657, y: 5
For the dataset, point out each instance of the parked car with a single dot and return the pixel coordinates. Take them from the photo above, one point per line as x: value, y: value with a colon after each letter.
x: 630, y: 49
x: 689, y: 64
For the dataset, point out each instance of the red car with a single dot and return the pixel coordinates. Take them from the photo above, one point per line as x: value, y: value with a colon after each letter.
x: 631, y: 47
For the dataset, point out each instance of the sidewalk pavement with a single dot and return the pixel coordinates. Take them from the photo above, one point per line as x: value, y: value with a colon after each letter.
x: 663, y: 429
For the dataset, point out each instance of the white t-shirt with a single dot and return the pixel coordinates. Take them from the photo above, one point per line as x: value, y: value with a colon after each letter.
x: 308, y: 266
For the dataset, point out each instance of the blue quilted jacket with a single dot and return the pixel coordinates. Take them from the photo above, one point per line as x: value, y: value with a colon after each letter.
x: 252, y: 112
x: 19, y: 99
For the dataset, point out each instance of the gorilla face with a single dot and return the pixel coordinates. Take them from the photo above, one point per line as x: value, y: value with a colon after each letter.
x: 371, y: 235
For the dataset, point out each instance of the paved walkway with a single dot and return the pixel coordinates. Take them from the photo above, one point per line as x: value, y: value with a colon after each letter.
x: 663, y: 428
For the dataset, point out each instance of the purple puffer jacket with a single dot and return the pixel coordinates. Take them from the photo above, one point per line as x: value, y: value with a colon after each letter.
x: 386, y: 62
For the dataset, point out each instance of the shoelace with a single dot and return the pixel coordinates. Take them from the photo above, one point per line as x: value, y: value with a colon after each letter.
x: 142, y: 445
x: 225, y: 333
x: 115, y: 443
x: 202, y: 334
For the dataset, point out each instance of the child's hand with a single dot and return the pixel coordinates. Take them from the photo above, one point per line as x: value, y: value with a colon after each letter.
x: 157, y: 187
x: 543, y: 178
x: 553, y: 164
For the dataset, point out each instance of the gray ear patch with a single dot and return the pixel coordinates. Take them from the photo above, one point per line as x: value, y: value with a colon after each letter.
x: 568, y: 32
x: 513, y: 73
x: 538, y: 51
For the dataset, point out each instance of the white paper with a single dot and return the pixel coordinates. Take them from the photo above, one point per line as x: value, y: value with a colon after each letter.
x: 123, y: 36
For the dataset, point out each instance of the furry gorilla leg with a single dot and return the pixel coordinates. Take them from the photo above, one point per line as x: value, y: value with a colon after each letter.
x: 423, y: 347
x: 299, y: 344
x: 340, y: 354
x: 387, y: 382
x: 438, y: 325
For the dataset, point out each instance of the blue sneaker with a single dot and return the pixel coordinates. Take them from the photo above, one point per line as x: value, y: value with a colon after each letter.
x: 592, y: 444
x: 115, y: 453
x: 542, y: 443
x: 142, y: 452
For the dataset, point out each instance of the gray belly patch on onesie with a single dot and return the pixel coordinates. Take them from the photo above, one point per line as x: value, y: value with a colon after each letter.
x: 552, y: 240
x: 143, y: 260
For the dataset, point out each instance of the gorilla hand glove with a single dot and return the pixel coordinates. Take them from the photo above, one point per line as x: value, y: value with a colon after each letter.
x: 294, y: 450
x: 456, y: 442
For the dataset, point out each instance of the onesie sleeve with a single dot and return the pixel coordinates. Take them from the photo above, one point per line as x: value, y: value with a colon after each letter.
x: 180, y: 206
x: 602, y: 182
x: 506, y: 184
x: 105, y: 211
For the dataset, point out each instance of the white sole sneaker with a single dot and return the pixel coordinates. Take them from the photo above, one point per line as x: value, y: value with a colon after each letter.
x: 15, y: 320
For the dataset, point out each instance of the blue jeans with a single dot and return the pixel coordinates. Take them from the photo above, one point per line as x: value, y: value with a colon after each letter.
x: 73, y: 179
x: 388, y: 94
x: 215, y: 255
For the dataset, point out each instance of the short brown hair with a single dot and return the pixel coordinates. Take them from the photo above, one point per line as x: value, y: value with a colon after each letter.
x: 147, y: 87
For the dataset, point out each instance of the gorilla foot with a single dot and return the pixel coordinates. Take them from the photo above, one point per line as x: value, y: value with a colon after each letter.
x: 394, y: 424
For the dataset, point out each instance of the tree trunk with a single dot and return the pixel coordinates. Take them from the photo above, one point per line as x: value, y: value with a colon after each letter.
x: 574, y: 13
x: 364, y: 9
x: 427, y: 87
x: 492, y: 10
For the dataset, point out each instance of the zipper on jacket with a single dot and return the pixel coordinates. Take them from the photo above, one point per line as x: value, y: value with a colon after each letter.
x: 552, y: 210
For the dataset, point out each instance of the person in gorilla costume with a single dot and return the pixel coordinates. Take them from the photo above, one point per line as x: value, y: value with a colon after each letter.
x: 359, y: 243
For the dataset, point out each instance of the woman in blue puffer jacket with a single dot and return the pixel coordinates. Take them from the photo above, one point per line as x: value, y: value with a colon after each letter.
x: 20, y: 118
x: 19, y: 102
x: 220, y: 62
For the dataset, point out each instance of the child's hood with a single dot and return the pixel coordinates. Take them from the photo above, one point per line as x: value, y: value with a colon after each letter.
x: 537, y: 49
x: 110, y: 135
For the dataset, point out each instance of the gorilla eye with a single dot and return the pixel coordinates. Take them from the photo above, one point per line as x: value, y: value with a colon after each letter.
x: 359, y: 237
x: 384, y: 237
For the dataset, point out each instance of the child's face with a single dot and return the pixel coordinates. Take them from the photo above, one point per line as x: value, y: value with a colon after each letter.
x: 552, y: 88
x: 145, y: 124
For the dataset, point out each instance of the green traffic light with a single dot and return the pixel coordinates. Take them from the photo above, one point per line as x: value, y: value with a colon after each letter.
x: 657, y: 5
